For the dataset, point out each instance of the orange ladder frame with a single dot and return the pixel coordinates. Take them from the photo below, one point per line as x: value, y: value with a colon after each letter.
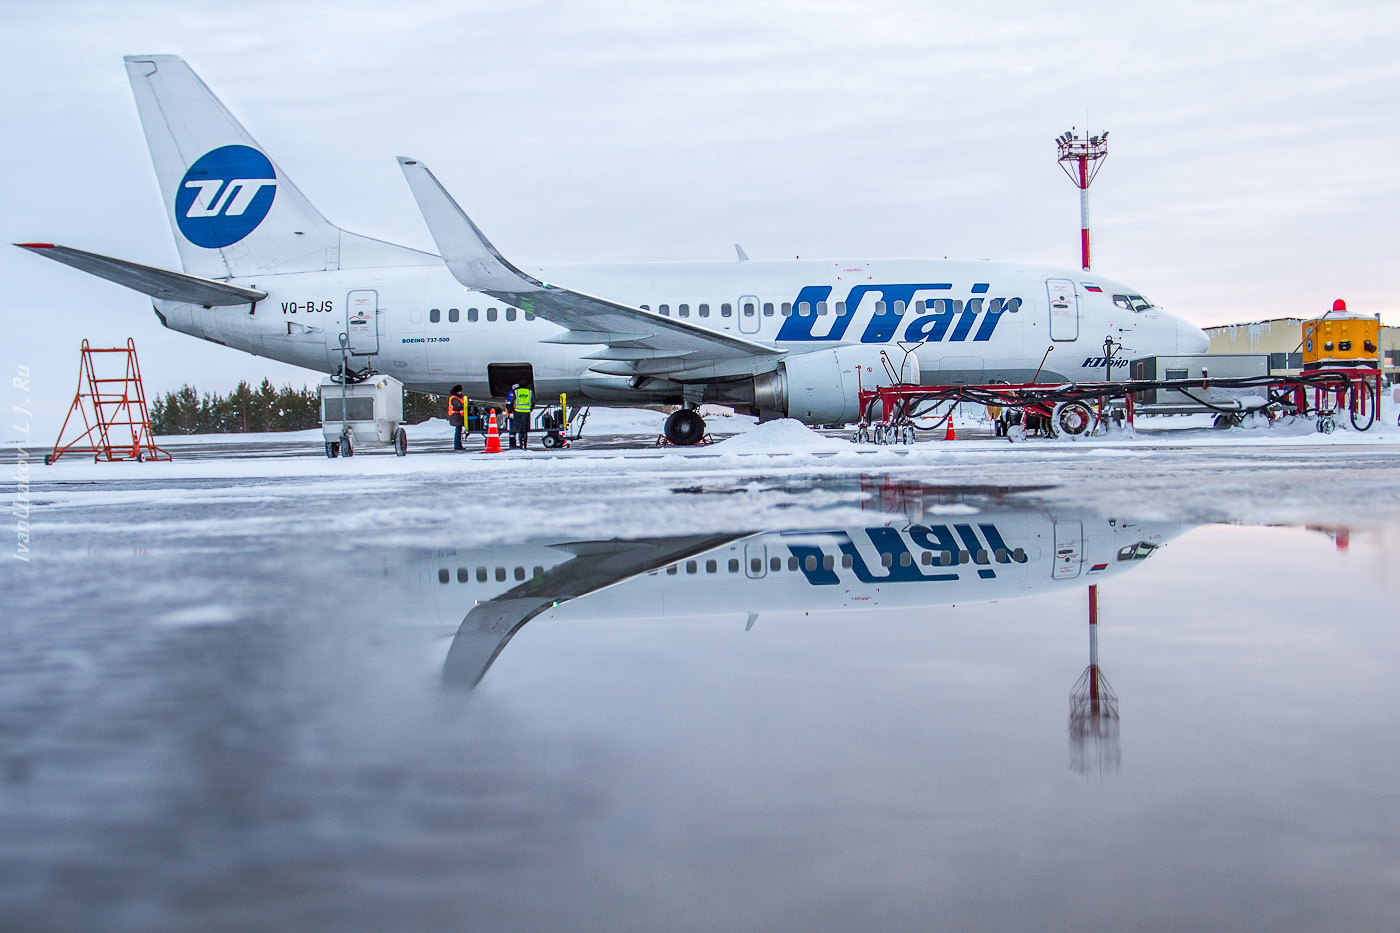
x: 112, y: 408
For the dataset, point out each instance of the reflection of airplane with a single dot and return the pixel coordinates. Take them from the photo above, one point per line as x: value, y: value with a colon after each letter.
x: 266, y: 273
x: 970, y: 555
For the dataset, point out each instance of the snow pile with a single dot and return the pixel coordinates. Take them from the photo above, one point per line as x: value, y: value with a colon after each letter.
x: 784, y: 436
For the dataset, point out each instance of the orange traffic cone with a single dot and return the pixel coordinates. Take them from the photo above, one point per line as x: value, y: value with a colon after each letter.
x: 951, y: 435
x: 493, y: 435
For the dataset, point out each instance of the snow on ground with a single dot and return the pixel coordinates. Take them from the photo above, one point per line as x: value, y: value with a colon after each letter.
x: 784, y: 436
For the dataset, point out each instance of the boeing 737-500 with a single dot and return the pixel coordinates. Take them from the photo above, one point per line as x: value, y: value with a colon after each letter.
x: 266, y: 273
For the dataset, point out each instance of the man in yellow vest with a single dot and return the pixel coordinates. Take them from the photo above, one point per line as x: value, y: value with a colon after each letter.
x: 457, y: 415
x: 520, y: 402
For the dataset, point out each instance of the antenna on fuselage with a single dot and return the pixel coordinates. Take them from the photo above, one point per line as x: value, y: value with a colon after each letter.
x: 743, y: 256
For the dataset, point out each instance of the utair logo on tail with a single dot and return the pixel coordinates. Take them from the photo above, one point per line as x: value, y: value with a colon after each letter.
x: 225, y: 195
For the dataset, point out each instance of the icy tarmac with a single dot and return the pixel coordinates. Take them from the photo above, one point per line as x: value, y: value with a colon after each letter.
x: 779, y: 683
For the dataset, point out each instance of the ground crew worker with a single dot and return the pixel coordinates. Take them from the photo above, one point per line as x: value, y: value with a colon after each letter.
x: 457, y: 416
x: 521, y: 402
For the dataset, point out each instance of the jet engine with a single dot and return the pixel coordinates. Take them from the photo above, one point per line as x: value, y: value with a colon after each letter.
x: 824, y: 387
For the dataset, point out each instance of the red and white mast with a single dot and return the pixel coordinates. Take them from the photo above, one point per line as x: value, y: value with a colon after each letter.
x: 1081, y: 157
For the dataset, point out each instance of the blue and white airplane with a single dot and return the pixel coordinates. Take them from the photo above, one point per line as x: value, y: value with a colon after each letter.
x: 266, y: 273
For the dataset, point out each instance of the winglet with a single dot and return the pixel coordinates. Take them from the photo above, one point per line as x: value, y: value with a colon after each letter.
x: 468, y: 254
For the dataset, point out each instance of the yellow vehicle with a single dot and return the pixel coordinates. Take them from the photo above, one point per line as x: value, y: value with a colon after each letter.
x: 1329, y: 341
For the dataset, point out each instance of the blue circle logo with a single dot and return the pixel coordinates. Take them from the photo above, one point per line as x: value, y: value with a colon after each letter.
x: 224, y: 196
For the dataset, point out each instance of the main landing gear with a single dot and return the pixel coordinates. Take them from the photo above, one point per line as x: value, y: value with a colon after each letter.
x: 685, y: 427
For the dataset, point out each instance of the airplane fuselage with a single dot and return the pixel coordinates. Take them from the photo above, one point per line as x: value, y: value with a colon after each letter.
x: 967, y: 322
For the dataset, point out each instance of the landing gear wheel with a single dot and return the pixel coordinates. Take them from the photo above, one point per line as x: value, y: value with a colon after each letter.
x: 685, y: 427
x: 1071, y: 418
x: 400, y: 443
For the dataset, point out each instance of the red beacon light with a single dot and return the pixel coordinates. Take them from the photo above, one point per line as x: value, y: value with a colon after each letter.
x: 1339, y: 305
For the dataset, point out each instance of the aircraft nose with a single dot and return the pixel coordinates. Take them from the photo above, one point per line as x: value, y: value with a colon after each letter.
x: 1190, y: 338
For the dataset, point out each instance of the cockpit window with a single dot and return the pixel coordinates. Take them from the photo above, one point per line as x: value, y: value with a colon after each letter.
x: 1138, y: 551
x: 1135, y: 303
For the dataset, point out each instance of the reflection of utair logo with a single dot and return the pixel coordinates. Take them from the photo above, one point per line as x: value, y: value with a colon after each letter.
x: 224, y: 196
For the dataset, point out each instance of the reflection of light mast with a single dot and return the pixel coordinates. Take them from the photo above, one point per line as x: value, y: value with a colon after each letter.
x: 1081, y: 158
x: 1093, y: 710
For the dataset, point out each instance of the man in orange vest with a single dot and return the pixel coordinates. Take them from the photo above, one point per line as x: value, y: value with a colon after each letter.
x: 457, y: 415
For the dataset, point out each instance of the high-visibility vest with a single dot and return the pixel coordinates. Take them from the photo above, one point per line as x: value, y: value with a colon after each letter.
x: 523, y: 399
x: 456, y: 405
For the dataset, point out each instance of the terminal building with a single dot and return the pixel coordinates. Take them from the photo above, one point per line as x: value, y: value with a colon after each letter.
x: 1282, y: 339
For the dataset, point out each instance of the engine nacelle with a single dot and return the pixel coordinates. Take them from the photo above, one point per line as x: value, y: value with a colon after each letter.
x: 824, y: 387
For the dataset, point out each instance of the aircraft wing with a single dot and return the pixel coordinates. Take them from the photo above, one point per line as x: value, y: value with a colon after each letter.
x: 635, y: 342
x: 150, y: 280
x: 489, y: 626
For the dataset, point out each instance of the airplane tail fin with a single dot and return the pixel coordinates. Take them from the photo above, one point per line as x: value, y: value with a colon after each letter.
x: 233, y: 211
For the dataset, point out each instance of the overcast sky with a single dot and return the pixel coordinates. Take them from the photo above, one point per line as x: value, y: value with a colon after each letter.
x: 1252, y: 169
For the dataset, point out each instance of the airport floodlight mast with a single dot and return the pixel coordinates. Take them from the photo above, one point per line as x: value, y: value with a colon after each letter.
x: 1081, y: 157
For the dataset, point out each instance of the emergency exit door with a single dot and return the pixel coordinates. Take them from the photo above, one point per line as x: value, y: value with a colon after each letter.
x: 362, y: 321
x: 750, y: 314
x: 756, y: 560
x: 1064, y: 309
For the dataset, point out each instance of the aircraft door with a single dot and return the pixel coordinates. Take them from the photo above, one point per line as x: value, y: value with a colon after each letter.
x: 1064, y: 309
x: 750, y: 316
x: 362, y: 321
x: 1069, y: 550
x: 756, y: 560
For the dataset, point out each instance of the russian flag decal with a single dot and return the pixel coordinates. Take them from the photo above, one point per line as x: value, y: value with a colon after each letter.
x: 1097, y: 567
x: 1091, y: 288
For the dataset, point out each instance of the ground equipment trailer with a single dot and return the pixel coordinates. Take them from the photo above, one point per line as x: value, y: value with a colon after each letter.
x: 894, y: 413
x: 365, y: 412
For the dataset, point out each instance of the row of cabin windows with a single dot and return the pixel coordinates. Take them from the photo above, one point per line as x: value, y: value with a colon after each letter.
x: 775, y: 564
x: 785, y: 309
x: 473, y: 315
x: 828, y: 561
x: 483, y: 574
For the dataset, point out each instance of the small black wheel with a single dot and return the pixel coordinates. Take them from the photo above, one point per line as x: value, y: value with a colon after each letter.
x: 48, y: 459
x: 400, y: 443
x: 685, y: 427
x: 347, y: 448
x: 552, y: 441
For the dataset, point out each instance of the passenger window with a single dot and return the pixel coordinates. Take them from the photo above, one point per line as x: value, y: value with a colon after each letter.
x: 749, y: 309
x: 726, y: 310
x: 453, y: 315
x: 774, y: 563
x: 926, y: 558
x: 510, y: 314
x: 768, y: 309
x: 538, y: 571
x: 443, y: 575
x: 879, y: 307
x: 481, y: 575
x: 685, y: 310
x: 811, y: 562
x: 671, y: 570
x: 435, y: 315
x: 734, y: 564
x: 756, y: 565
x: 847, y: 561
x: 691, y: 566
x: 520, y: 573
x: 500, y: 574
x: 645, y: 307
x: 821, y: 307
x: 472, y: 315
x: 828, y: 562
x: 920, y: 306
x: 529, y: 315
x: 899, y: 307
x: 704, y: 310
x: 711, y: 566
x: 792, y: 563
x: 804, y: 309
x: 840, y: 308
x: 462, y: 575
x: 787, y: 309
x: 664, y: 309
x: 490, y: 314
x: 905, y: 560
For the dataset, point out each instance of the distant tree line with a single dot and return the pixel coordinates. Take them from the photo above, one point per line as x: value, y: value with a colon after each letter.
x: 247, y: 410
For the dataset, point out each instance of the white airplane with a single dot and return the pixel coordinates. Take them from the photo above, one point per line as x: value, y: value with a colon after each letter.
x: 266, y: 273
x: 1006, y: 549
